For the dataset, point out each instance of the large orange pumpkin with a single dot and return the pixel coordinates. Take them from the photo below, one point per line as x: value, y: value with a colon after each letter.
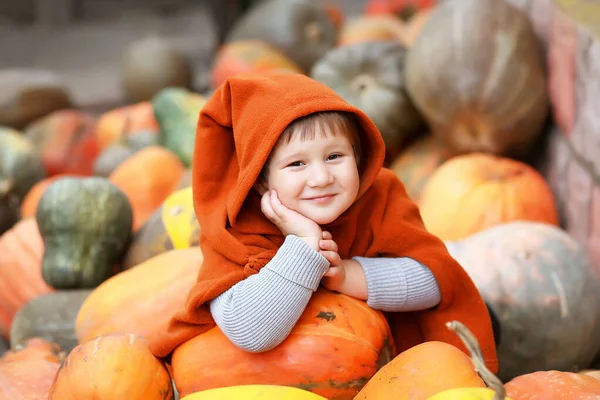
x: 21, y: 250
x: 123, y: 121
x: 148, y: 177
x: 473, y: 192
x: 555, y: 385
x: 153, y: 292
x: 418, y: 162
x: 112, y: 367
x: 338, y: 344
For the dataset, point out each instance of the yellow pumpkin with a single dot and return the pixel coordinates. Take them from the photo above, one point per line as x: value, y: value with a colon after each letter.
x: 466, y: 394
x: 254, y: 392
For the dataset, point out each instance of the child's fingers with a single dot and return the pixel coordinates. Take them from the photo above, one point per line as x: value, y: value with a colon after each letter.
x: 328, y: 245
x: 332, y: 272
x: 327, y: 235
x: 332, y: 256
x: 278, y: 207
x: 266, y: 207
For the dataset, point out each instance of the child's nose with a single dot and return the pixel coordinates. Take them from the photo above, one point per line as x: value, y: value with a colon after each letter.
x: 320, y: 176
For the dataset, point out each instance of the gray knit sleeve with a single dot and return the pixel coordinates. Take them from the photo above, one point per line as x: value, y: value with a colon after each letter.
x: 399, y: 284
x: 258, y: 313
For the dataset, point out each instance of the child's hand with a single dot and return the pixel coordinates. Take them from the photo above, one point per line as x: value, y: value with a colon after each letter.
x: 289, y: 221
x: 335, y: 276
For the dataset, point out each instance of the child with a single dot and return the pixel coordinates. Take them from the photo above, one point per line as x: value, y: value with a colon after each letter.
x: 290, y: 191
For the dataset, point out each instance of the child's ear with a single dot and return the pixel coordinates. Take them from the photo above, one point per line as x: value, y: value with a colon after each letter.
x: 261, y: 186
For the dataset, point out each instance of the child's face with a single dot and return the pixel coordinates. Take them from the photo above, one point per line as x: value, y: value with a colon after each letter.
x: 316, y: 177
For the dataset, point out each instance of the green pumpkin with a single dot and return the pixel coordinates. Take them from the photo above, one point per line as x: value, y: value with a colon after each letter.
x: 85, y: 224
x: 20, y: 168
x: 176, y: 111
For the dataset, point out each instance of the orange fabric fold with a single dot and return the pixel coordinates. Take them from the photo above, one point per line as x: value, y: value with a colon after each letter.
x: 237, y: 128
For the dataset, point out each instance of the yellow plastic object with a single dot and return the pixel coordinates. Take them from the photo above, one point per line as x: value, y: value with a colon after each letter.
x: 179, y: 218
x: 254, y: 392
x: 465, y: 394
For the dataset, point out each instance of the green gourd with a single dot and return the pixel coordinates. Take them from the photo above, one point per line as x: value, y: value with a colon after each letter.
x: 85, y: 224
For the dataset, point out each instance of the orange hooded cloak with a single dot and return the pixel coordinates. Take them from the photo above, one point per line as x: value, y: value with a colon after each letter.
x: 237, y: 128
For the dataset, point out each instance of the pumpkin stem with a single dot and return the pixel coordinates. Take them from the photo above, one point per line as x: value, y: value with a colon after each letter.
x: 472, y: 345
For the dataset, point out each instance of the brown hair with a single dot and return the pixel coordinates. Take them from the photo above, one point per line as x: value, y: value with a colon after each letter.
x: 327, y: 122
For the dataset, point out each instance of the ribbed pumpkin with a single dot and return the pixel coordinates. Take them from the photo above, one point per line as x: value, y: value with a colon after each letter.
x: 477, y: 74
x: 153, y: 292
x: 472, y: 192
x: 250, y: 55
x: 335, y: 348
x: 21, y: 250
x: 112, y: 367
x: 545, y: 293
x: 555, y: 385
x: 173, y: 226
x: 370, y: 76
x: 66, y: 142
x: 302, y: 30
x: 147, y: 178
x: 418, y: 162
x: 125, y: 121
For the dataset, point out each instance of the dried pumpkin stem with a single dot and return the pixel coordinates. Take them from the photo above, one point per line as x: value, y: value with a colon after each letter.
x: 472, y: 345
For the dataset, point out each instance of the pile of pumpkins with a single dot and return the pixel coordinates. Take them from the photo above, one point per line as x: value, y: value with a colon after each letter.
x: 99, y: 240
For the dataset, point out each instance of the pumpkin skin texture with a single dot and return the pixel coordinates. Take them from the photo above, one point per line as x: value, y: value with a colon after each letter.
x: 544, y: 291
x: 249, y: 55
x: 176, y: 110
x: 153, y: 292
x: 302, y: 30
x: 32, y: 198
x: 473, y: 192
x: 422, y: 371
x: 28, y: 379
x: 335, y: 348
x: 66, y: 141
x: 85, y: 224
x: 21, y: 250
x: 99, y: 369
x: 555, y: 385
x: 418, y: 162
x: 20, y: 168
x: 254, y: 392
x: 147, y: 178
x: 370, y: 28
x: 492, y: 98
x: 466, y: 394
x: 125, y: 121
x: 173, y: 226
x: 112, y: 156
x: 369, y: 75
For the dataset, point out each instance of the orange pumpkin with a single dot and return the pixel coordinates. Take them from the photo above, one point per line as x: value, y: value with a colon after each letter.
x: 112, y: 367
x: 555, y: 385
x: 32, y: 198
x: 28, y: 379
x: 21, y: 250
x: 147, y: 178
x: 473, y: 192
x: 417, y: 163
x: 123, y: 121
x: 65, y: 139
x: 335, y: 348
x: 153, y: 292
x: 422, y: 371
x: 248, y: 56
x: 35, y: 348
x: 368, y: 28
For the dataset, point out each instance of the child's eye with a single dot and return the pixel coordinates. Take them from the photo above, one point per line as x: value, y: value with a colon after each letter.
x: 334, y: 156
x: 296, y: 164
